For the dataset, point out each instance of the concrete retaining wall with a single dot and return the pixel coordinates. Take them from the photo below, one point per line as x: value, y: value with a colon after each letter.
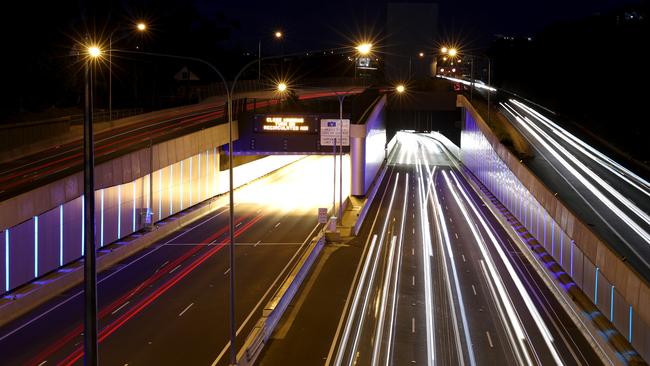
x: 610, y: 283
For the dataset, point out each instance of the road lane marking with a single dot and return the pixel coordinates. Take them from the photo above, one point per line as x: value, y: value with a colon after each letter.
x: 276, y: 225
x: 175, y: 268
x: 259, y: 303
x: 412, y: 325
x: 120, y: 308
x: 186, y: 309
x: 413, y: 280
x: 412, y: 251
x: 463, y: 255
x: 42, y: 363
x: 456, y: 235
x: 225, y: 273
x: 22, y: 326
x: 489, y: 339
x: 238, y: 224
x: 259, y: 241
x: 474, y: 290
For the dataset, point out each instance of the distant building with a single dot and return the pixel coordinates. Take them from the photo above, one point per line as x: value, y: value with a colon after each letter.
x: 412, y: 28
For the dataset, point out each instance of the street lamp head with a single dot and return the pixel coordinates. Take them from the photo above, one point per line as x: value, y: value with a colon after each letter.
x: 444, y: 58
x: 444, y: 50
x: 282, y: 87
x: 278, y: 34
x: 400, y: 88
x: 364, y: 48
x: 94, y: 51
x: 141, y: 26
x: 421, y: 54
x: 452, y: 52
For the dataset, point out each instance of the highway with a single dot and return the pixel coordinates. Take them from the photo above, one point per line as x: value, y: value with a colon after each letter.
x: 613, y: 200
x: 441, y: 283
x: 168, y: 305
x: 28, y: 172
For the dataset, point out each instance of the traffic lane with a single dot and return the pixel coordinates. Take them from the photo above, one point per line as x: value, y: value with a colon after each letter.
x: 597, y: 214
x: 355, y: 315
x: 613, y: 177
x: 488, y: 332
x: 410, y: 343
x: 203, y: 328
x: 56, y: 319
x: 305, y: 335
x: 127, y: 315
x: 373, y: 306
x: 571, y: 344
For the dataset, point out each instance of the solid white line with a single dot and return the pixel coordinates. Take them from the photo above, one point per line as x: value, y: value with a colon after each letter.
x: 175, y: 268
x: 259, y: 303
x: 120, y: 308
x: 186, y: 309
x: 489, y: 339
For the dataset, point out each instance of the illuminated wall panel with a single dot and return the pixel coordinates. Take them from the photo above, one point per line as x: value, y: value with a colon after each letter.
x: 21, y: 252
x: 48, y: 241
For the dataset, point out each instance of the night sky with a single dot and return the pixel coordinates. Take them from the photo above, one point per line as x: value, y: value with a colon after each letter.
x: 304, y: 22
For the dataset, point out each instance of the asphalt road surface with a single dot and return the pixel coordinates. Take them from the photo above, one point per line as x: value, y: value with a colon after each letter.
x: 610, y: 198
x: 168, y: 305
x: 441, y: 283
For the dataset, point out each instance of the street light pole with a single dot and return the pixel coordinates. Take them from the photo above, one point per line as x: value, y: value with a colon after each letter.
x: 341, y: 99
x: 90, y: 267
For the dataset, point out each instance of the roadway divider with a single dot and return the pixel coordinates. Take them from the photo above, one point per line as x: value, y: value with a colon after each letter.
x: 274, y: 309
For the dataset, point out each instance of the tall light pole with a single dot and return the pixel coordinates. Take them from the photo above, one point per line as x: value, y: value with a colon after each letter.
x: 141, y: 27
x: 90, y: 264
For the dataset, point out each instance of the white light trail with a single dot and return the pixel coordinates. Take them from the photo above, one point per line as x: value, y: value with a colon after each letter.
x: 546, y: 334
x: 596, y: 192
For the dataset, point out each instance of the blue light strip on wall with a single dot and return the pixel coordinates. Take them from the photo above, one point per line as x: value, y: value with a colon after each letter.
x: 119, y: 211
x: 629, y: 332
x: 181, y: 185
x: 160, y: 195
x: 611, y: 304
x: 596, y: 287
x: 101, y: 218
x: 83, y: 222
x: 35, y: 246
x: 171, y: 195
x: 60, y: 235
x: 7, y: 260
x: 199, y: 174
x: 133, y: 206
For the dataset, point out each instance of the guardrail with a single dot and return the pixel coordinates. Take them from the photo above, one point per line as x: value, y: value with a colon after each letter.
x: 274, y: 309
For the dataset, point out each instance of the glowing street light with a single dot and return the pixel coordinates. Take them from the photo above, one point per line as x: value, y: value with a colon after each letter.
x: 444, y: 50
x: 452, y: 52
x: 141, y: 27
x: 364, y: 49
x: 94, y: 51
x: 421, y: 54
x: 282, y: 87
x: 400, y: 88
x: 278, y: 34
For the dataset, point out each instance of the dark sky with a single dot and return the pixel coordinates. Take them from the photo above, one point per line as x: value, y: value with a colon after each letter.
x: 473, y: 20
